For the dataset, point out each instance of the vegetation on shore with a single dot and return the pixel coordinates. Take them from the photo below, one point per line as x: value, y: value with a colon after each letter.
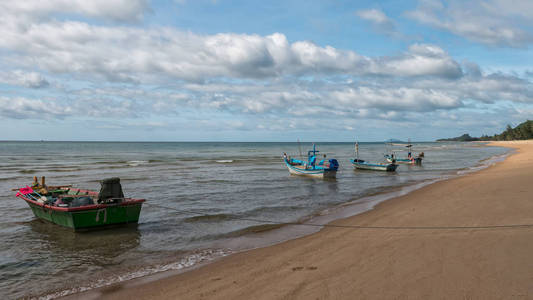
x: 524, y: 131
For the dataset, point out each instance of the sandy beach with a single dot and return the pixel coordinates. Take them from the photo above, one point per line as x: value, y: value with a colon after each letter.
x: 387, y: 263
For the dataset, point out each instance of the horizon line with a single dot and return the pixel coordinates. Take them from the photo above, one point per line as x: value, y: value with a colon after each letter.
x: 214, y: 141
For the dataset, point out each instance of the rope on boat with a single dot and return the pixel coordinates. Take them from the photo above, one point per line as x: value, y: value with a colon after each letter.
x: 508, y: 226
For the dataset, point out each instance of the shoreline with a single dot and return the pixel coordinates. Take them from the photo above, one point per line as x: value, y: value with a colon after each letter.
x: 151, y: 288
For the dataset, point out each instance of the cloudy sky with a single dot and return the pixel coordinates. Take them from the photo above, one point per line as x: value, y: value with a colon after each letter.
x: 220, y: 70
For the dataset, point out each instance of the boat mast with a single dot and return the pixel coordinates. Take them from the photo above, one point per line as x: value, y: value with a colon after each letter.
x: 409, y: 146
x: 314, y: 151
x: 388, y: 148
x: 300, y: 149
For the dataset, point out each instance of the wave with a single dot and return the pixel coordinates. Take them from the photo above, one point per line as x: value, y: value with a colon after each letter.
x: 188, y: 261
x: 189, y: 159
x: 213, y: 181
x: 64, y: 170
x: 483, y: 164
x: 11, y: 167
x: 247, y: 214
x: 134, y: 178
x: 106, y: 162
x: 272, y: 209
x: 11, y: 178
x: 225, y: 161
x: 246, y: 161
x: 209, y: 218
x: 254, y: 229
x: 135, y: 163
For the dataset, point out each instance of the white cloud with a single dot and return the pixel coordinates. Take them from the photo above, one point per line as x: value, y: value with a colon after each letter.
x: 24, y: 108
x: 421, y: 60
x: 289, y: 105
x: 402, y: 99
x: 491, y: 22
x: 374, y: 15
x: 115, y: 10
x: 25, y: 79
x: 380, y: 21
x: 511, y: 8
x: 133, y: 55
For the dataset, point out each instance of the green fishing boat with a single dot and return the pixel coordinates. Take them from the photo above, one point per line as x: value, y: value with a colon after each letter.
x: 81, y: 209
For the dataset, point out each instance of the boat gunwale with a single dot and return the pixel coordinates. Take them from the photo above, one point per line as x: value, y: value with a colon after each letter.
x: 371, y: 164
x: 127, y: 202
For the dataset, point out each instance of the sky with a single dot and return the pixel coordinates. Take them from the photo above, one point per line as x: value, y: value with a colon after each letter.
x: 220, y: 70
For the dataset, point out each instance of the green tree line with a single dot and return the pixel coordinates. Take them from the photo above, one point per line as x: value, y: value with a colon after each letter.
x: 524, y: 131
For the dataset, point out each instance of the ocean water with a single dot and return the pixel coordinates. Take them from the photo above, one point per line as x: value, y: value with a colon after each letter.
x: 224, y: 197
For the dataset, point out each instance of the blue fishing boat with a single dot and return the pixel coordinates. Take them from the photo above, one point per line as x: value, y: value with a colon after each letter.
x: 363, y: 165
x: 322, y: 169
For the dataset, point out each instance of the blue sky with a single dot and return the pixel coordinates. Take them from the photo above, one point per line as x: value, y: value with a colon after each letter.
x: 216, y: 70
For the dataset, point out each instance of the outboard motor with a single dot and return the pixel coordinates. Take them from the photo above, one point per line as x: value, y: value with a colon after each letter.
x: 111, y: 191
x: 333, y: 164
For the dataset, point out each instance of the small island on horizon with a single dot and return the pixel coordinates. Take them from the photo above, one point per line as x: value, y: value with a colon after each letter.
x: 523, y: 131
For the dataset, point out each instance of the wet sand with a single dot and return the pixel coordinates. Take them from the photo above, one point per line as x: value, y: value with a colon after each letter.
x: 391, y: 263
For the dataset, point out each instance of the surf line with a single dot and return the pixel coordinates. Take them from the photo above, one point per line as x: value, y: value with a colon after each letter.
x: 504, y: 226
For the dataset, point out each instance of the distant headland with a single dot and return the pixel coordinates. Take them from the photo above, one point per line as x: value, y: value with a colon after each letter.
x: 524, y: 131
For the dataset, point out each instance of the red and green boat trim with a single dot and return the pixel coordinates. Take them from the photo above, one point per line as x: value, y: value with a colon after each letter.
x: 85, y: 217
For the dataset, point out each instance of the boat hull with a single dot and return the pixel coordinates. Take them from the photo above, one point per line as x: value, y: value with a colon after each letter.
x: 316, y: 173
x: 404, y: 161
x: 374, y: 167
x: 98, y: 216
x: 313, y: 173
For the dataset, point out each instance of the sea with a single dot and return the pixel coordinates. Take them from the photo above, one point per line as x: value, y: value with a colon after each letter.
x: 204, y: 200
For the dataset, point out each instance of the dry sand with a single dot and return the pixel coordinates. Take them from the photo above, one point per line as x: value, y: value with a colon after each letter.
x: 347, y: 263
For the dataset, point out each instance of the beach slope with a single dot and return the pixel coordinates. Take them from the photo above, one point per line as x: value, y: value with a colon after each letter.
x: 392, y: 263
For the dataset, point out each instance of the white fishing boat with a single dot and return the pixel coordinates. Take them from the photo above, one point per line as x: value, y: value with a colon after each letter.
x: 410, y: 160
x: 364, y: 165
